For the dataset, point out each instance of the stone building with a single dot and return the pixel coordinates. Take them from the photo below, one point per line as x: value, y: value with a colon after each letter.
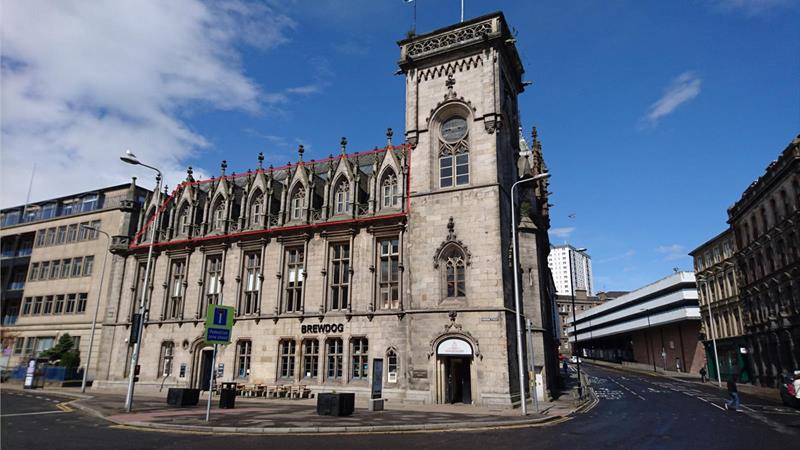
x: 767, y: 237
x: 720, y: 308
x: 397, y: 258
x: 51, y: 267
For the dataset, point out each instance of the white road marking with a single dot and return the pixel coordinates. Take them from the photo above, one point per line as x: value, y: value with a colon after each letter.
x: 31, y: 413
x: 627, y: 389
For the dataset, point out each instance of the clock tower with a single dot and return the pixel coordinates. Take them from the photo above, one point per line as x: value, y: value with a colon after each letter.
x: 462, y: 123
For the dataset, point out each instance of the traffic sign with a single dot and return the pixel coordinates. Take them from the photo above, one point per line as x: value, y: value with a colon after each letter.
x: 219, y: 322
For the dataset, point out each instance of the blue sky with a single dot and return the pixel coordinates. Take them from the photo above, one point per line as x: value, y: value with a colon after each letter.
x: 654, y: 116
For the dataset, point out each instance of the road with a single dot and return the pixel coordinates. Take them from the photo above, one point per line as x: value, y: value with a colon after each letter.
x: 634, y: 411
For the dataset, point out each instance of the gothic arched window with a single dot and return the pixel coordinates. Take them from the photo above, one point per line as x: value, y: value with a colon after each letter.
x: 257, y: 211
x: 453, y: 153
x: 184, y: 219
x: 218, y: 216
x: 341, y: 198
x: 390, y: 191
x: 454, y: 265
x: 296, y: 204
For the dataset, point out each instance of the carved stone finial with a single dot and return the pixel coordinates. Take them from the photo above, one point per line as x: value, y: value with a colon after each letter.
x: 389, y: 134
x: 166, y: 189
x: 189, y: 173
x: 271, y: 168
x: 343, y: 143
x: 450, y: 83
x: 260, y: 160
x: 300, y: 151
x: 223, y: 166
x: 534, y: 135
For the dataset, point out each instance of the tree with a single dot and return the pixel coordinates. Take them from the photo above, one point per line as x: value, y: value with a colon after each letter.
x: 63, y: 353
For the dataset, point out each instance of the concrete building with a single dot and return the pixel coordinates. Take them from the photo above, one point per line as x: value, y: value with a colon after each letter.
x: 583, y: 303
x: 767, y: 235
x: 654, y: 327
x: 579, y: 278
x: 51, y: 267
x: 397, y: 258
x: 718, y: 295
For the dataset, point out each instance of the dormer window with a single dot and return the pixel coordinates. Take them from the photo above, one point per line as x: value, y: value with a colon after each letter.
x: 296, y: 206
x: 390, y: 191
x: 342, y: 198
x: 257, y: 211
x: 219, y: 217
x: 89, y: 203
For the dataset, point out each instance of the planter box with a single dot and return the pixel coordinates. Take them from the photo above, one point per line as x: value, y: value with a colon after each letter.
x: 183, y: 397
x: 339, y: 404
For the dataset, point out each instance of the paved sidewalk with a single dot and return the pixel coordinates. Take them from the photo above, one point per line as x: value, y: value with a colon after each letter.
x: 278, y: 416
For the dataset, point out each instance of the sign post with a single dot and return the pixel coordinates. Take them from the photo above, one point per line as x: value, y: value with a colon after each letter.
x: 219, y: 322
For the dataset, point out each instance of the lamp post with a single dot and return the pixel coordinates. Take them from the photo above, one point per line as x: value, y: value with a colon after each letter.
x: 130, y: 158
x: 516, y: 288
x: 647, y: 336
x: 574, y: 323
x: 96, y: 305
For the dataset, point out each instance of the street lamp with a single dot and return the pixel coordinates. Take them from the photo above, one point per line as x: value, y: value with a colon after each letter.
x: 516, y: 289
x: 97, y: 304
x: 574, y: 323
x: 130, y: 158
x: 647, y: 338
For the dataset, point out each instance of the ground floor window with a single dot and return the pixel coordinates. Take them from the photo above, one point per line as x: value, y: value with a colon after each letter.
x: 359, y: 352
x: 286, y: 358
x: 165, y: 359
x: 310, y: 358
x: 243, y: 349
x: 335, y: 355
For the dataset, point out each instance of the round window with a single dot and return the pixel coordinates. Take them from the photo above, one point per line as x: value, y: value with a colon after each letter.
x: 454, y: 129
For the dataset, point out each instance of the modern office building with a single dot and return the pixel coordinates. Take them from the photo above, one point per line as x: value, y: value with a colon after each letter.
x: 396, y: 259
x: 654, y: 327
x: 572, y: 269
x: 52, y: 266
x: 767, y: 237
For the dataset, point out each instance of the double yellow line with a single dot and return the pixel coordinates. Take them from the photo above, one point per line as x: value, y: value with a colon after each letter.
x: 64, y: 406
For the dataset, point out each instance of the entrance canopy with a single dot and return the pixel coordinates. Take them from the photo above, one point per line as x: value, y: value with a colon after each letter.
x: 457, y: 347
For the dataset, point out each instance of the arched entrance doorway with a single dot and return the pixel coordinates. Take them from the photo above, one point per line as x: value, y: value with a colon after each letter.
x: 454, y: 371
x: 202, y: 366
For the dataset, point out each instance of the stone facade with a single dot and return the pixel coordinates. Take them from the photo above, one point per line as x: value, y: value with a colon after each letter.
x: 52, y: 268
x: 718, y: 295
x: 767, y: 236
x: 406, y: 251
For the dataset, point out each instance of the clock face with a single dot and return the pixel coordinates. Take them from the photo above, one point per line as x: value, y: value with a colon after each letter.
x: 454, y: 129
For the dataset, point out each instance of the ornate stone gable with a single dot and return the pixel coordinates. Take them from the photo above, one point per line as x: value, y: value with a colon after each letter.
x: 451, y: 240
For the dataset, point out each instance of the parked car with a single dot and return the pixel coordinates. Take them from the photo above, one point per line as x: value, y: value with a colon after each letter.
x: 786, y: 389
x: 574, y: 359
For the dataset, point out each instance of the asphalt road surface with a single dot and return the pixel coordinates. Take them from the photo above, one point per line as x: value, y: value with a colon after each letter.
x: 634, y: 411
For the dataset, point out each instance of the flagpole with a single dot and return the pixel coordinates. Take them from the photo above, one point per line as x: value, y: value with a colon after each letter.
x: 462, y: 10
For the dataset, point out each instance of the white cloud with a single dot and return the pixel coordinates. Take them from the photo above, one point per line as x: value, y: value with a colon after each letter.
x: 628, y: 254
x: 681, y: 89
x: 83, y: 81
x: 562, y: 233
x: 672, y: 252
x: 751, y: 7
